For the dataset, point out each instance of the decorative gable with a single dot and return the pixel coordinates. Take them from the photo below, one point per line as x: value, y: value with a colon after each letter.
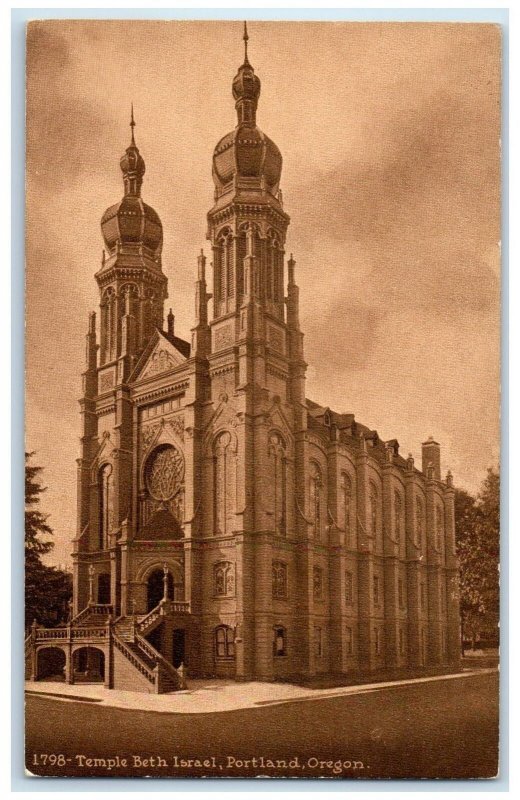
x: 163, y: 357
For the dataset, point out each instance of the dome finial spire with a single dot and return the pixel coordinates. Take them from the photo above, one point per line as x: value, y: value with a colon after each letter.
x: 246, y: 39
x: 132, y: 122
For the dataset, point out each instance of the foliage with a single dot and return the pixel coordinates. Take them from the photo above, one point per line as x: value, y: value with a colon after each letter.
x: 477, y: 528
x: 47, y: 589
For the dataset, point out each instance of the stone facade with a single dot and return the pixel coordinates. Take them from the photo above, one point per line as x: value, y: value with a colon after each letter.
x: 294, y: 541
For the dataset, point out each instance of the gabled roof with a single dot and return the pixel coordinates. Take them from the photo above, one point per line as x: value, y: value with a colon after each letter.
x: 161, y: 354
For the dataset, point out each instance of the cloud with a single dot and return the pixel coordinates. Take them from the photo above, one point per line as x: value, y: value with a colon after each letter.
x: 389, y: 134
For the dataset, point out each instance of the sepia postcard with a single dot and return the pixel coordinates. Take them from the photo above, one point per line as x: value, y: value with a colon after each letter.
x: 262, y: 399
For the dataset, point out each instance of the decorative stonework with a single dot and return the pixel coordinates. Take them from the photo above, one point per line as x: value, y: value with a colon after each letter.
x: 150, y: 432
x: 223, y: 337
x: 177, y: 426
x: 164, y: 473
x: 276, y: 339
x: 106, y: 380
x: 160, y: 361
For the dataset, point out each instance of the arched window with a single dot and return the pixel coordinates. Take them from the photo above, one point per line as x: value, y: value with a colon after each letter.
x: 317, y: 582
x: 372, y: 508
x: 318, y: 641
x: 224, y: 642
x: 105, y: 504
x: 108, y: 325
x: 224, y: 267
x: 279, y: 485
x: 240, y: 246
x: 222, y: 481
x: 346, y: 505
x: 439, y: 528
x: 316, y: 485
x: 224, y: 579
x: 398, y: 516
x: 419, y: 521
x: 349, y: 587
x: 279, y: 580
x: 273, y: 267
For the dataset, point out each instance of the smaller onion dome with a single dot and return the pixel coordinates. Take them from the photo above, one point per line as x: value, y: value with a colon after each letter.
x: 131, y: 221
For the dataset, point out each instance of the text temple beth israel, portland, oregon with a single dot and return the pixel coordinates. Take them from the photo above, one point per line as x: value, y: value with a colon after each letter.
x: 228, y: 525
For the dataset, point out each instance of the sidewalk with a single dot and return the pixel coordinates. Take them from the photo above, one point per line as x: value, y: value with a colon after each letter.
x: 217, y: 695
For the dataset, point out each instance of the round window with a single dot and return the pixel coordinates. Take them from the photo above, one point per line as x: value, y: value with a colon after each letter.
x: 164, y: 472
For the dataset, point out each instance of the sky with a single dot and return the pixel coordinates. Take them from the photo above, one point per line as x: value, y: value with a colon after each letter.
x: 390, y: 138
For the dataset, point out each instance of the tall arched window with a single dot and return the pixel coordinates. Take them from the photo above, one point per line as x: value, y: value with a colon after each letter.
x: 372, y: 508
x: 224, y: 642
x: 272, y: 267
x: 316, y: 485
x: 224, y: 579
x: 346, y: 506
x: 224, y: 267
x: 222, y: 481
x: 439, y: 528
x: 105, y: 504
x: 279, y: 485
x: 108, y: 325
x: 280, y: 581
x: 419, y: 522
x: 241, y: 250
x: 398, y: 516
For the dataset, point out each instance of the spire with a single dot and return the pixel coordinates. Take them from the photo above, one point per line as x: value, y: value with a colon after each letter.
x: 132, y: 123
x: 246, y: 88
x: 132, y: 163
x: 246, y: 39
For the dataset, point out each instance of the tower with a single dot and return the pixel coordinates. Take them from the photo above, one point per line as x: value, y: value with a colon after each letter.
x: 132, y: 290
x: 131, y: 283
x: 256, y: 374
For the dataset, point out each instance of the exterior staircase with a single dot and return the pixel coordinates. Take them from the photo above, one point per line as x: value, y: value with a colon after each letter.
x: 127, y: 651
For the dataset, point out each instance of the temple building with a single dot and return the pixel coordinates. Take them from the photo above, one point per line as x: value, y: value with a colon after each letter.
x: 227, y: 524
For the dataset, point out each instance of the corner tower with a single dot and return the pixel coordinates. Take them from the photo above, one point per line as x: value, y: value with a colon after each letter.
x: 255, y: 416
x: 247, y: 227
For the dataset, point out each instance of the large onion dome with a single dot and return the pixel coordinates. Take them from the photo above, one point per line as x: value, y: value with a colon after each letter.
x: 247, y: 152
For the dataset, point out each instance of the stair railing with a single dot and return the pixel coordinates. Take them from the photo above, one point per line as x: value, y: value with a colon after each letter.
x: 134, y: 659
x: 154, y: 654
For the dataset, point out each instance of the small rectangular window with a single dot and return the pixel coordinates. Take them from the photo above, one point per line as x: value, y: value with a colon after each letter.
x: 279, y: 642
x: 349, y: 643
x: 318, y: 642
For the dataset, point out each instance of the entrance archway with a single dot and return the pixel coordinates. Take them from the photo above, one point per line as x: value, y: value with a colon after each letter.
x: 155, y: 588
x: 89, y: 665
x: 50, y: 664
x: 104, y: 588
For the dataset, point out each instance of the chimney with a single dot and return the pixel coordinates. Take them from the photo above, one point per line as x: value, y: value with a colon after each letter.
x: 431, y: 454
x: 171, y: 322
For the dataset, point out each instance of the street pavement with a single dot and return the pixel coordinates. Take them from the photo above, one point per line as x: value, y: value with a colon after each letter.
x: 442, y: 727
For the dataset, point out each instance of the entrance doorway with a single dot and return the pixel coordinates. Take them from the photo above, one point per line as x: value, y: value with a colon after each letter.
x: 103, y: 589
x: 155, y: 588
x: 179, y: 646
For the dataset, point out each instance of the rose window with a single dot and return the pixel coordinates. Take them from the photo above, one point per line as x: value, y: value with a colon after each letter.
x: 164, y: 473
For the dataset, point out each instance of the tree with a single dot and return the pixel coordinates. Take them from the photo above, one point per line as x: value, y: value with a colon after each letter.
x: 477, y: 529
x: 47, y: 589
